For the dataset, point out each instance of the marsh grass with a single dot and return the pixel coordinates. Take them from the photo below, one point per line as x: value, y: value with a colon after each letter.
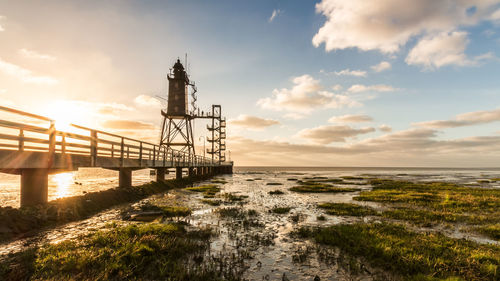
x: 492, y: 231
x: 276, y: 192
x: 281, y: 210
x: 274, y: 183
x: 208, y: 190
x: 313, y: 187
x: 347, y: 209
x: 167, y: 211
x: 231, y: 197
x: 416, y: 256
x: 144, y: 251
x: 435, y: 202
x: 211, y: 202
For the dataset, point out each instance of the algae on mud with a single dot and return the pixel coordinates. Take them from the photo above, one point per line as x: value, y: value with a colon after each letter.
x: 347, y: 209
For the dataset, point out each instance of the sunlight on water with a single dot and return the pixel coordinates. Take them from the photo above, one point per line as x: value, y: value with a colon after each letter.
x: 63, y: 183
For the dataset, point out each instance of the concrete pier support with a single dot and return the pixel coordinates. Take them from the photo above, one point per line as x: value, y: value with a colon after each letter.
x: 178, y: 173
x: 160, y: 174
x: 34, y: 186
x: 125, y: 177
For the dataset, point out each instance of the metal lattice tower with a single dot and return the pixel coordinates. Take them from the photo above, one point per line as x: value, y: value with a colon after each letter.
x: 177, y: 129
x: 218, y: 132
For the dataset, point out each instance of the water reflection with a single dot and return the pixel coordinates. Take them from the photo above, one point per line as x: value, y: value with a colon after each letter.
x: 63, y: 183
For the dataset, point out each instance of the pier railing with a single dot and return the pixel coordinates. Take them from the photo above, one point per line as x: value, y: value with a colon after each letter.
x: 41, y: 135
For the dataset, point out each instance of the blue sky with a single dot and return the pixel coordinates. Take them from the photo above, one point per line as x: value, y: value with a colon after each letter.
x: 441, y: 60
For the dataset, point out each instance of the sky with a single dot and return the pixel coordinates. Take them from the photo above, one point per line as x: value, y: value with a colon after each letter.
x: 397, y: 83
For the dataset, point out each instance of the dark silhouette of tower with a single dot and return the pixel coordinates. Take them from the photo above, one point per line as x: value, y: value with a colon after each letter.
x: 177, y: 129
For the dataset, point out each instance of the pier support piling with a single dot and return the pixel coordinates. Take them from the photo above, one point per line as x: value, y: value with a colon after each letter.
x: 178, y: 173
x: 160, y: 174
x: 191, y: 172
x: 125, y: 177
x: 34, y: 186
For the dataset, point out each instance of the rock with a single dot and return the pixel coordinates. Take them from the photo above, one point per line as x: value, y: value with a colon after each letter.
x: 316, y: 278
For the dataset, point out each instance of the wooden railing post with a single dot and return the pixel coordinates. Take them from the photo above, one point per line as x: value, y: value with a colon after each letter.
x: 93, y: 148
x: 112, y: 150
x: 128, y: 152
x: 164, y: 157
x: 52, y: 143
x: 122, y: 152
x: 154, y: 155
x: 63, y: 144
x: 140, y: 154
x: 21, y: 140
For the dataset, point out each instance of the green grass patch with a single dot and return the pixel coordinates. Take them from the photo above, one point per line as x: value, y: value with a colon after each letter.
x: 209, y: 190
x: 320, y: 188
x: 352, y: 178
x: 136, y: 252
x: 231, y: 197
x: 276, y: 192
x: 424, y: 203
x: 492, y: 231
x: 281, y: 210
x: 347, y: 209
x: 167, y: 211
x: 415, y: 256
x: 211, y: 202
x: 221, y: 181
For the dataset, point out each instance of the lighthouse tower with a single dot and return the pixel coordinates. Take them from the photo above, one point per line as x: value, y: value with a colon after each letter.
x: 177, y: 130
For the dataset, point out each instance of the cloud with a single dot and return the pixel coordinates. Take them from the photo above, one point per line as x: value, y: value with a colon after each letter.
x: 127, y: 125
x: 358, y: 88
x: 446, y: 48
x: 1, y: 27
x: 331, y: 133
x: 464, y: 119
x: 35, y: 55
x: 275, y: 13
x: 337, y: 87
x: 25, y: 75
x: 350, y: 119
x: 253, y: 122
x: 294, y: 116
x: 305, y: 96
x: 147, y: 101
x: 387, y: 25
x: 385, y: 128
x: 413, y: 147
x: 383, y: 65
x: 348, y: 72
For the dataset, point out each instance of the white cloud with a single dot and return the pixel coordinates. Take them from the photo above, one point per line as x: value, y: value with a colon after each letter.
x: 252, y: 122
x: 25, y: 75
x: 358, y: 88
x: 439, y: 50
x: 337, y: 87
x: 147, y: 101
x: 348, y: 72
x: 385, y: 128
x: 387, y: 25
x: 275, y: 13
x: 383, y: 65
x: 1, y: 27
x: 294, y: 116
x: 35, y: 55
x: 305, y: 96
x: 350, y: 119
x: 464, y: 119
x: 331, y: 133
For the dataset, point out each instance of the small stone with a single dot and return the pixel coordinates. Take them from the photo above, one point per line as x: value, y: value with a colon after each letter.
x: 316, y: 278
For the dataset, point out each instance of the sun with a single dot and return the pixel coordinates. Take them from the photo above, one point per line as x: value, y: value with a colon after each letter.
x: 65, y: 113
